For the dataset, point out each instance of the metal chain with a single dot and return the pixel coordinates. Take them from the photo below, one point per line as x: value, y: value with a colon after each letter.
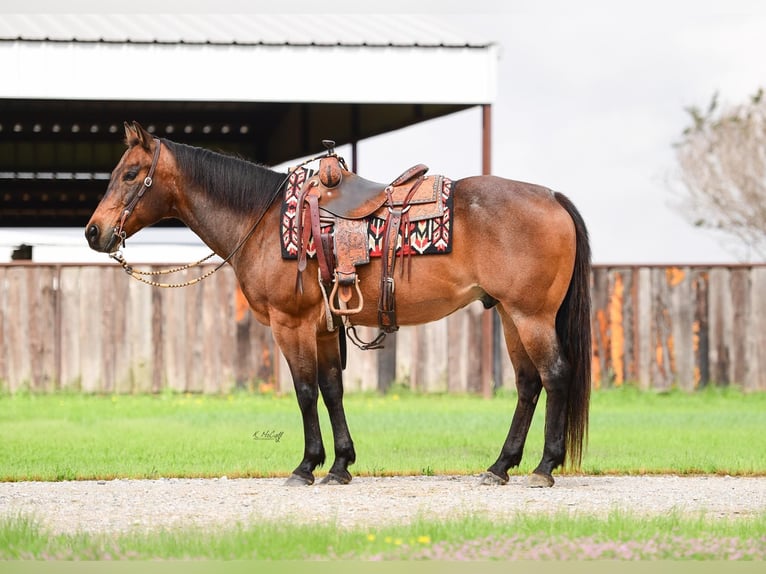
x: 117, y: 256
x: 140, y: 275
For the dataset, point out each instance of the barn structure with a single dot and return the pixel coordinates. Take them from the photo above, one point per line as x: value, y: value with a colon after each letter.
x: 268, y: 87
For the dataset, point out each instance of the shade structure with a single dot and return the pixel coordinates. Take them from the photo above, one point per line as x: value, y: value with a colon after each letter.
x: 268, y: 87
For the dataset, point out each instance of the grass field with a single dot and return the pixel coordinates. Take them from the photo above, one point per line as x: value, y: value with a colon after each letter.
x: 64, y: 437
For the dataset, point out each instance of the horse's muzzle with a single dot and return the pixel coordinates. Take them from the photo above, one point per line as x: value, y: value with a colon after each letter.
x: 98, y: 240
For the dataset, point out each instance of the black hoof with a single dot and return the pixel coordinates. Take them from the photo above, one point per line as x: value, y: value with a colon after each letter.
x: 491, y: 479
x: 333, y: 478
x: 298, y: 480
x: 537, y: 480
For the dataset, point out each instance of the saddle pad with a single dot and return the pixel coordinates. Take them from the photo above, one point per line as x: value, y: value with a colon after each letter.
x: 430, y: 236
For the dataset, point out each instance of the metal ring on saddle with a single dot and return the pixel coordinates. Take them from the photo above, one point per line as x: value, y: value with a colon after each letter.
x: 401, y: 211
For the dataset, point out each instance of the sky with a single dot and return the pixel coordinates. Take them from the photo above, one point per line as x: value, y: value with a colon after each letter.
x: 591, y: 97
x: 590, y: 102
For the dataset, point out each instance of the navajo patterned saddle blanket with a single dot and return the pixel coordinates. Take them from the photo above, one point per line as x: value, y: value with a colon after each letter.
x: 429, y: 232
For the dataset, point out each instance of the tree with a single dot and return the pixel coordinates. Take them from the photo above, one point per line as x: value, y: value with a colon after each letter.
x: 722, y: 160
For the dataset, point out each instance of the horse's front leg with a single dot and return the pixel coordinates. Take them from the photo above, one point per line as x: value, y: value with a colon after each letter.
x: 330, y: 375
x: 298, y: 345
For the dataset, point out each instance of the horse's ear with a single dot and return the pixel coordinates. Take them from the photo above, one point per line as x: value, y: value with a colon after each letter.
x: 131, y: 138
x: 144, y: 137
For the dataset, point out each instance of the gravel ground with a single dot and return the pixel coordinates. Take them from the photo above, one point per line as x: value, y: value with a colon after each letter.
x: 123, y: 505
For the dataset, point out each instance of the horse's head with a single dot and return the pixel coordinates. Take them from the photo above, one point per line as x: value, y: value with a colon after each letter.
x: 136, y: 195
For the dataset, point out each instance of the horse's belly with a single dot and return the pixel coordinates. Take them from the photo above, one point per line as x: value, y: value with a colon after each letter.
x: 419, y: 299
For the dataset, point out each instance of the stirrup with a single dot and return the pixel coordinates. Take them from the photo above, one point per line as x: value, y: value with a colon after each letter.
x: 345, y: 311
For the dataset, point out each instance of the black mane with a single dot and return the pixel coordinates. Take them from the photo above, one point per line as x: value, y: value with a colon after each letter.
x: 235, y: 183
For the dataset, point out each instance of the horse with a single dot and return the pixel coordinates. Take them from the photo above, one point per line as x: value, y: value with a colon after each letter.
x: 517, y: 247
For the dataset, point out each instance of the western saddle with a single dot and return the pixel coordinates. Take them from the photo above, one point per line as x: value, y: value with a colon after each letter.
x: 342, y: 202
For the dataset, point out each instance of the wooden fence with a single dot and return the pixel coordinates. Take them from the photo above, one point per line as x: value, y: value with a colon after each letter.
x: 687, y: 326
x: 92, y: 329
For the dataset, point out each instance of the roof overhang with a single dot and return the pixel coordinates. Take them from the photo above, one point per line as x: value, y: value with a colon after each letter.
x: 76, y: 70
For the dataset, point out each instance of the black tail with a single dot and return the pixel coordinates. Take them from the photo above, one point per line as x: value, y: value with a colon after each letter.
x: 573, y: 327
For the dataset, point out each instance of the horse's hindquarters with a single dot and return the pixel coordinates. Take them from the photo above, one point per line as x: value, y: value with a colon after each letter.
x: 511, y: 242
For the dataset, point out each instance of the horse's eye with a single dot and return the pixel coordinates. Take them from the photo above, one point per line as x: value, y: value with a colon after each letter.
x: 130, y: 175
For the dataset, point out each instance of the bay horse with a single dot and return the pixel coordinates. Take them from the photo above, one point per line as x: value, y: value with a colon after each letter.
x: 518, y: 247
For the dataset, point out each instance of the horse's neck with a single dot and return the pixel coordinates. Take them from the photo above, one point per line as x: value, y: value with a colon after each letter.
x: 219, y: 228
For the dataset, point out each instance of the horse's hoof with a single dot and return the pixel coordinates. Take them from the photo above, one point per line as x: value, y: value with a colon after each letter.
x: 536, y: 480
x: 298, y: 480
x: 333, y: 478
x: 491, y: 479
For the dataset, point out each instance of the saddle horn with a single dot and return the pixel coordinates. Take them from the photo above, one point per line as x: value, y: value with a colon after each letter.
x: 330, y: 173
x: 329, y: 145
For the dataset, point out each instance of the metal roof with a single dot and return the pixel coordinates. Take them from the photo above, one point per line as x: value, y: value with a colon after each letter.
x: 359, y: 58
x: 405, y: 30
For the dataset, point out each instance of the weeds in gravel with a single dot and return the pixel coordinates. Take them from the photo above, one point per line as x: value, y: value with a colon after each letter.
x: 619, y: 536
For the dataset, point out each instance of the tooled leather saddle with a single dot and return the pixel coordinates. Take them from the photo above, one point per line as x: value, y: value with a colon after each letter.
x: 334, y: 207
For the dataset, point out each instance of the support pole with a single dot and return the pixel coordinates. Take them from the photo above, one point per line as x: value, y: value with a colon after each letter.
x: 486, y: 139
x: 354, y: 157
x: 355, y: 134
x: 487, y: 335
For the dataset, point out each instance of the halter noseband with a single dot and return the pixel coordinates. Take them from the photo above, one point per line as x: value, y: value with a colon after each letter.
x: 119, y: 231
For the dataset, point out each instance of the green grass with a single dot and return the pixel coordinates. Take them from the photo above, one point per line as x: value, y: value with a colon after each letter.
x: 64, y: 437
x: 57, y: 437
x: 618, y: 536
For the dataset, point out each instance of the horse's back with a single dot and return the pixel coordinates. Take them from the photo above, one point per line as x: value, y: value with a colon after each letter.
x: 522, y: 219
x: 485, y: 198
x: 517, y: 235
x: 510, y: 240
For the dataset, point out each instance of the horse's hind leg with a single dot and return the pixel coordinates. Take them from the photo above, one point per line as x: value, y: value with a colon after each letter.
x: 331, y: 386
x: 529, y: 386
x: 538, y: 335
